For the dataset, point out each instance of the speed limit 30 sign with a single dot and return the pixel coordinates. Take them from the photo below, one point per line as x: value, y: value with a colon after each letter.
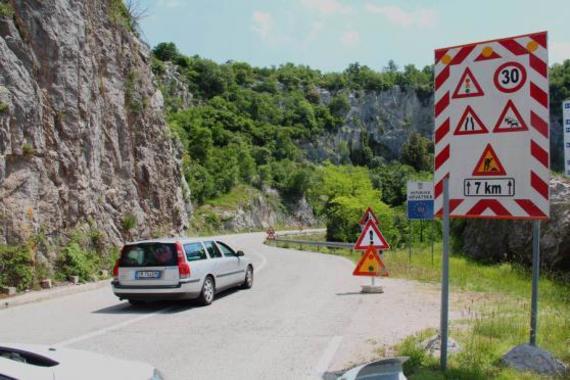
x: 491, y: 128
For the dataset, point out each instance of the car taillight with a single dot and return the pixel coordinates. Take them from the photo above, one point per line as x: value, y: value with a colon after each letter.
x: 183, y: 266
x: 116, y: 269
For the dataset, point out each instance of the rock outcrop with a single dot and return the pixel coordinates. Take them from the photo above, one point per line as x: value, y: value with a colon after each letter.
x: 82, y: 133
x: 496, y: 241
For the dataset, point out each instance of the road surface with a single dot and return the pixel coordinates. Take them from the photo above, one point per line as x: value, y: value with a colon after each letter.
x: 303, y: 318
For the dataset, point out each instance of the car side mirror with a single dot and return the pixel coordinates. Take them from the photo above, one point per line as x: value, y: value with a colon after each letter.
x: 240, y: 253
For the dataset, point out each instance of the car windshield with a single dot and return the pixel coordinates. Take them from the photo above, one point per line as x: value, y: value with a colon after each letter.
x: 148, y: 255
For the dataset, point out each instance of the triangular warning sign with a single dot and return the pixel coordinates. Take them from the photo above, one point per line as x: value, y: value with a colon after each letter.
x: 368, y: 214
x: 510, y: 120
x: 468, y: 86
x: 371, y: 236
x: 489, y: 164
x: 470, y: 124
x: 370, y: 264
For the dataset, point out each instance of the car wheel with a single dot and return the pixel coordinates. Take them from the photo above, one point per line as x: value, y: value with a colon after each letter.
x: 208, y: 291
x: 248, y: 282
x: 136, y: 302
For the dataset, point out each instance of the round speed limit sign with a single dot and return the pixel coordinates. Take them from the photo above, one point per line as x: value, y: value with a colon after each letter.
x: 510, y: 77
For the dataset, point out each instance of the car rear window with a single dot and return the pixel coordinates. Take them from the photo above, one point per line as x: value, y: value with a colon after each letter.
x: 195, y: 251
x: 149, y: 255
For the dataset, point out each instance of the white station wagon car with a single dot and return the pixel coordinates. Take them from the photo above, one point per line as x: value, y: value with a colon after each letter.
x: 180, y: 268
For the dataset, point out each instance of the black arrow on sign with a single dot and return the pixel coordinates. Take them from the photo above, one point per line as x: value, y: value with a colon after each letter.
x: 510, y: 185
x: 468, y: 188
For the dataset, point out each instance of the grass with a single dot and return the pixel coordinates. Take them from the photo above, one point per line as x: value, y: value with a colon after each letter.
x: 238, y: 196
x: 495, y: 304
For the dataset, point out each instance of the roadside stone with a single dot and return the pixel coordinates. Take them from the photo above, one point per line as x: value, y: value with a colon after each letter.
x: 529, y: 358
x: 74, y: 280
x: 433, y: 346
x: 104, y: 273
x: 46, y: 284
x: 8, y: 290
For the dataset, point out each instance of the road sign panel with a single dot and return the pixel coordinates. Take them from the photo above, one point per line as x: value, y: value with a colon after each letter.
x: 513, y: 76
x: 368, y: 214
x: 371, y: 237
x: 467, y: 86
x: 370, y: 264
x: 420, y: 200
x: 566, y: 126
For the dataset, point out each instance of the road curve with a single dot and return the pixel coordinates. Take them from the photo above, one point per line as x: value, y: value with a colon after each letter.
x: 303, y: 317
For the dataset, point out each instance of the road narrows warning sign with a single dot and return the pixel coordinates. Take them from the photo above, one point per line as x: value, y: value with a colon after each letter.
x: 493, y: 148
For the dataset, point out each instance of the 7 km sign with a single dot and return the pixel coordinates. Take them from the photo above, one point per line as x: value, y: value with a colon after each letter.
x: 491, y: 128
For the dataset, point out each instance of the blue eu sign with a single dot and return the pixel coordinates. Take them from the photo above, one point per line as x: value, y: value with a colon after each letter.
x: 420, y: 209
x: 567, y: 105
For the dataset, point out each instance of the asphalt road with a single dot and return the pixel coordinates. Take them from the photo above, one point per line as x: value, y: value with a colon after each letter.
x: 303, y: 318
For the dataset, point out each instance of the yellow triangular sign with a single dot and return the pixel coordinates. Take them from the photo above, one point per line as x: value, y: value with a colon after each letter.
x: 370, y: 264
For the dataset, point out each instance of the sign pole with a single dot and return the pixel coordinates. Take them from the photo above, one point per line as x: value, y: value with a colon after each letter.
x: 432, y: 232
x: 535, y: 275
x: 410, y: 243
x: 445, y: 277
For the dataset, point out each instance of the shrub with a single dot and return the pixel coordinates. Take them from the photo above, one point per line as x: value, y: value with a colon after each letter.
x: 3, y: 106
x: 16, y: 267
x: 28, y: 149
x: 74, y: 261
x: 128, y: 222
x: 6, y: 10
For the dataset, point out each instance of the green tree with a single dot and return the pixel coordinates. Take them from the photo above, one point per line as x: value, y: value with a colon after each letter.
x: 416, y: 152
x: 166, y: 51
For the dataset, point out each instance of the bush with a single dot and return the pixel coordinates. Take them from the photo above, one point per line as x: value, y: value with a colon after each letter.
x: 16, y: 267
x: 4, y: 107
x: 6, y: 10
x: 74, y: 261
x: 166, y: 51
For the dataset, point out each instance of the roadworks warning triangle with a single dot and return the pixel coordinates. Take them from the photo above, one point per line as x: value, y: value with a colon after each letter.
x: 470, y: 124
x: 489, y: 164
x: 370, y: 264
x: 510, y: 120
x: 371, y: 236
x: 468, y: 86
x: 368, y: 214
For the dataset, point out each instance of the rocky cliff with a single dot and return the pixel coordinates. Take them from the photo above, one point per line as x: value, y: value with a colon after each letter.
x: 496, y: 241
x: 82, y: 134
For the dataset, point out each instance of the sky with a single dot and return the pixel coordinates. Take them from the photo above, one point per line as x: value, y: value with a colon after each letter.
x: 330, y: 34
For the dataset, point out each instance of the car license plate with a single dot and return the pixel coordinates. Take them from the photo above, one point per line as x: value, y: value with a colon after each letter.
x: 147, y: 275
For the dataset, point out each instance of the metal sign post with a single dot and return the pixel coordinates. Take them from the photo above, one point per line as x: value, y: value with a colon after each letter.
x: 566, y: 127
x: 445, y: 277
x: 535, y: 274
x: 410, y: 241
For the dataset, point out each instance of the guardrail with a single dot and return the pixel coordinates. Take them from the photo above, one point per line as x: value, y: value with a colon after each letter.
x: 318, y: 244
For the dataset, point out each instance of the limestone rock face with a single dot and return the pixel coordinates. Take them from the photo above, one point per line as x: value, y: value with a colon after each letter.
x: 495, y: 240
x: 82, y: 137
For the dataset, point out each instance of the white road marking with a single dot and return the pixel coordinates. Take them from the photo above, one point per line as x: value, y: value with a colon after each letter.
x: 259, y: 267
x: 327, y: 356
x: 105, y: 330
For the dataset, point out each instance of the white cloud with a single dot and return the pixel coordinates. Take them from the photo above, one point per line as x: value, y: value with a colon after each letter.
x: 262, y: 24
x: 559, y: 51
x: 422, y: 18
x: 350, y: 38
x: 327, y: 6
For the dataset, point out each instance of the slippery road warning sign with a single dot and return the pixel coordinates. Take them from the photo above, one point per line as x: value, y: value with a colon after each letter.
x: 491, y: 128
x: 371, y: 237
x: 370, y: 264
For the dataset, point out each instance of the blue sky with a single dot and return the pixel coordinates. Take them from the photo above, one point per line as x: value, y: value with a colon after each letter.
x: 330, y: 34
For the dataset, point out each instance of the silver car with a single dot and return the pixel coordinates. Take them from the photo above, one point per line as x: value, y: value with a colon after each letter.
x: 166, y: 269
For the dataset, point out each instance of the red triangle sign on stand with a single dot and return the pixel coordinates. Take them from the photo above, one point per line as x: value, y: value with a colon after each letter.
x: 371, y: 237
x: 510, y: 120
x: 468, y: 86
x: 489, y: 164
x: 370, y: 264
x: 470, y: 124
x: 368, y: 214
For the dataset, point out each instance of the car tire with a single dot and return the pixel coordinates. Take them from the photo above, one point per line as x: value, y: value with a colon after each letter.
x: 136, y: 302
x: 248, y: 282
x: 208, y: 291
